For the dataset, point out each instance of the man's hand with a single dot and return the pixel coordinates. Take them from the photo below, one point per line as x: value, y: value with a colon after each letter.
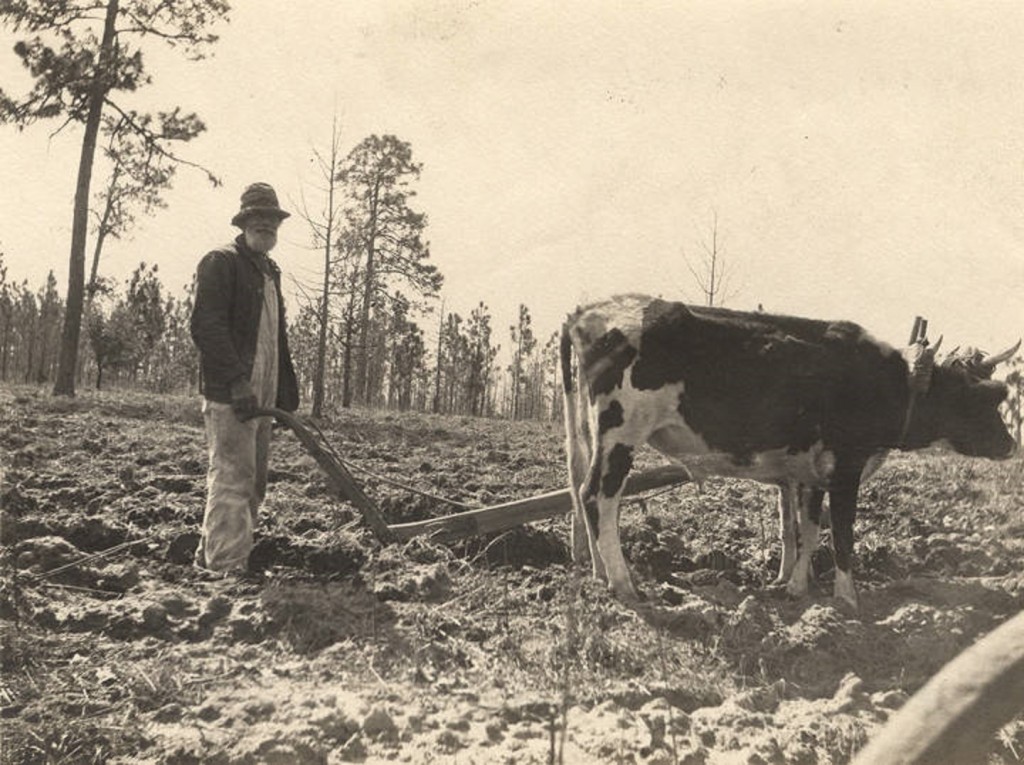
x: 243, y: 400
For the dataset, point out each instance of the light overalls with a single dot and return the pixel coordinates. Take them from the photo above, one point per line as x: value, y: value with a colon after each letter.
x: 236, y: 482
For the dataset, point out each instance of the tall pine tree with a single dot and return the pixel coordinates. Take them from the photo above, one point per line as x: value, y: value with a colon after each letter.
x: 80, y: 54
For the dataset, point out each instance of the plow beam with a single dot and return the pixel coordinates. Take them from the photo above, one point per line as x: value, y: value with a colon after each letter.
x: 452, y: 528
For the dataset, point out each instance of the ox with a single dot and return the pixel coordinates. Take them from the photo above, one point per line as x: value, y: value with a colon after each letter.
x: 808, y: 405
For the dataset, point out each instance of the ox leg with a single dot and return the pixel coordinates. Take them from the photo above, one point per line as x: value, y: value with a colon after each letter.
x: 808, y: 509
x: 586, y: 518
x: 590, y: 520
x: 580, y: 463
x: 581, y: 536
x: 843, y: 509
x: 605, y: 490
x: 787, y: 530
x: 609, y: 547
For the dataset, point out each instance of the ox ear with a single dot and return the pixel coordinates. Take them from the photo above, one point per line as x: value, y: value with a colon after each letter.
x: 990, y: 392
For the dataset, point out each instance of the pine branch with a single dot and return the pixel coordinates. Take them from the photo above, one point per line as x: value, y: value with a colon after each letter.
x: 154, y: 140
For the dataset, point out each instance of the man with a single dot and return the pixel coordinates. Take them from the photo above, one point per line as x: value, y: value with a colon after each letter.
x: 238, y: 324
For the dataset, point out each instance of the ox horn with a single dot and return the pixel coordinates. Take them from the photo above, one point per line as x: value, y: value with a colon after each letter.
x: 935, y: 348
x: 999, y: 358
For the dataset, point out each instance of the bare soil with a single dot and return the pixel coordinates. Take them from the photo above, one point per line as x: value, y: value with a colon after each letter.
x: 496, y: 650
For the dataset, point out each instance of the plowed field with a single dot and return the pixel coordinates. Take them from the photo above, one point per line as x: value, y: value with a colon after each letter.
x: 337, y: 649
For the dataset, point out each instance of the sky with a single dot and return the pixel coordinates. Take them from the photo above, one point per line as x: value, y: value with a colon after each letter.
x: 864, y: 161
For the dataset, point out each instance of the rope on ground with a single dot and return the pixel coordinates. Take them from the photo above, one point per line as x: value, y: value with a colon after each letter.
x: 110, y: 551
x: 649, y: 495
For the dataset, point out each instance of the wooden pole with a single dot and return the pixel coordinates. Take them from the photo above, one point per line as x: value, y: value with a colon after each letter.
x: 452, y: 528
x: 954, y: 717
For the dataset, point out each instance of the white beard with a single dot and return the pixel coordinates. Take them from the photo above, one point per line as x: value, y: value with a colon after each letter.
x: 260, y: 241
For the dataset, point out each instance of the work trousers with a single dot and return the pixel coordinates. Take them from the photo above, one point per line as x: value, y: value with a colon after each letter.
x: 236, y: 484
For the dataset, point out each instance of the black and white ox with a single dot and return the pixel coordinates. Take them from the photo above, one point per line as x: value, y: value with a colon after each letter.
x: 812, y: 406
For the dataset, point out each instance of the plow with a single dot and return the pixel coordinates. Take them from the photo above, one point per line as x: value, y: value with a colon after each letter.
x: 473, y: 522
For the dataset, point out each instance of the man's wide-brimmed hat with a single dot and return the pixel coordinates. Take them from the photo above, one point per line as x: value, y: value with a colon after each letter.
x: 258, y: 198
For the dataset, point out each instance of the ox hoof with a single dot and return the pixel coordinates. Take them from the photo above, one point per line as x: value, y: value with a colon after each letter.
x: 797, y: 590
x: 628, y: 598
x: 846, y: 593
x: 628, y: 595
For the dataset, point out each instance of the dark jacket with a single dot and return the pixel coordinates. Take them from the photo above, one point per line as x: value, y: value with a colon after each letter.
x: 226, y: 320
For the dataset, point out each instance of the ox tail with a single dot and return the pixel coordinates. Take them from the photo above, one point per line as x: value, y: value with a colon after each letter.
x: 577, y: 444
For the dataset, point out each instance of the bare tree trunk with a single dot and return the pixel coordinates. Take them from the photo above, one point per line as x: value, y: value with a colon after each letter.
x: 41, y: 370
x: 713, y: 276
x: 321, y: 347
x: 517, y: 373
x: 67, y: 365
x: 101, y: 236
x: 30, y: 361
x: 346, y: 374
x: 363, y: 367
x: 437, y: 370
x: 6, y: 347
x: 712, y: 286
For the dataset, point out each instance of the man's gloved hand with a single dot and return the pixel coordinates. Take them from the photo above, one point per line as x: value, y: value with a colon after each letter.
x: 243, y: 400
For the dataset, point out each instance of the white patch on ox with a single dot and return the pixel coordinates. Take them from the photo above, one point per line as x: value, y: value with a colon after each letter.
x: 845, y: 589
x: 644, y: 412
x: 789, y: 511
x: 803, y: 570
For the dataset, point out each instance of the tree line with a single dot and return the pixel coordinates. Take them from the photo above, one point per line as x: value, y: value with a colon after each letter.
x: 137, y: 335
x: 358, y: 339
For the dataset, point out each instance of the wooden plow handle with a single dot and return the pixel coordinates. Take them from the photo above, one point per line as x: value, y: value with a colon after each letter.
x: 340, y: 480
